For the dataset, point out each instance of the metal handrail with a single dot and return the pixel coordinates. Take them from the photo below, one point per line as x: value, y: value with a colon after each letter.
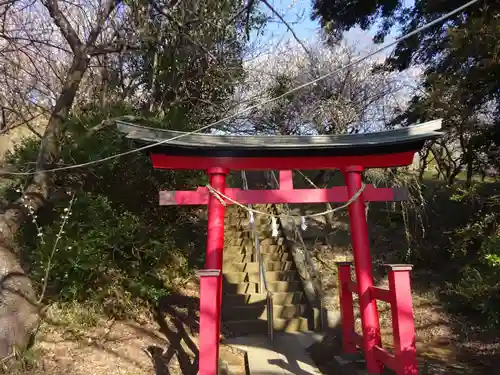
x: 309, y: 261
x: 263, y: 286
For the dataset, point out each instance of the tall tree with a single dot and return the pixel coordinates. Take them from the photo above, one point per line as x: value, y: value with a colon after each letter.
x: 460, y: 56
x: 23, y: 23
x: 193, y: 57
x: 351, y: 100
x: 58, y: 57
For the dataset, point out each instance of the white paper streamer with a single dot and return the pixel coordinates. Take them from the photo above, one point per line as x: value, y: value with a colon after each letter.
x: 303, y: 224
x: 274, y: 227
x: 252, y: 219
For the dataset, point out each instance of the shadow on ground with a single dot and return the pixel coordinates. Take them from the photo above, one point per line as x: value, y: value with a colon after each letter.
x: 448, y: 343
x: 177, y: 318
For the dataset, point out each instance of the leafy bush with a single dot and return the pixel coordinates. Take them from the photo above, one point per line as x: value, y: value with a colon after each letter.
x: 119, y: 248
x: 477, y: 292
x: 475, y: 251
x: 106, y: 255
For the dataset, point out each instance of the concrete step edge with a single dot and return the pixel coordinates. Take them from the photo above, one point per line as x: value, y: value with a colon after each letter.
x: 253, y: 306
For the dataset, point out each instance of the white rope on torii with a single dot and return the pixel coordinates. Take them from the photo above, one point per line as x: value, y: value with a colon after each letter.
x: 222, y: 198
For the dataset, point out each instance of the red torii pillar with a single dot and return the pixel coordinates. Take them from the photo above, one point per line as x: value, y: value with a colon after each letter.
x: 211, y: 276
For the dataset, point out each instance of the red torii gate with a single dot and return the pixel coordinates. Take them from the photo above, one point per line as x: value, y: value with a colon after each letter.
x: 352, y: 154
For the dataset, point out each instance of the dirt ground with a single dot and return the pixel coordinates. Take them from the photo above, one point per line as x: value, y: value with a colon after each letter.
x: 79, y: 343
x: 76, y: 341
x: 118, y: 348
x: 127, y: 349
x: 446, y: 343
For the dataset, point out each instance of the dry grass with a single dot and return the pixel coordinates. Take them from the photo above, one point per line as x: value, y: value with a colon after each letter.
x: 79, y: 340
x: 15, y: 136
x: 446, y: 344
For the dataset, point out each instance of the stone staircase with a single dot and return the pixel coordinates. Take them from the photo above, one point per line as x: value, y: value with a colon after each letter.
x: 244, y: 307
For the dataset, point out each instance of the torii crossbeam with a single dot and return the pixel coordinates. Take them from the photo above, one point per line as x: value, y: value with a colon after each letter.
x: 218, y: 154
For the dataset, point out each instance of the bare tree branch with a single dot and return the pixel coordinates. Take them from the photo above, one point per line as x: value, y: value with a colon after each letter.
x: 65, y: 27
x: 26, y: 123
x: 111, y: 48
x: 289, y: 27
x: 103, y: 16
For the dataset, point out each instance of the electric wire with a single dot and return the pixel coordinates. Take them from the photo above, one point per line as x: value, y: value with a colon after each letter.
x: 262, y: 103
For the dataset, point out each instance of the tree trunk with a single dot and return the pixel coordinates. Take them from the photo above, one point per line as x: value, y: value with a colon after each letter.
x: 452, y: 175
x: 451, y: 178
x: 424, y: 163
x: 19, y: 310
x: 470, y: 164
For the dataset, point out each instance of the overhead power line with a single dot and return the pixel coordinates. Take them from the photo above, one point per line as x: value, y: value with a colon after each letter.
x: 255, y: 106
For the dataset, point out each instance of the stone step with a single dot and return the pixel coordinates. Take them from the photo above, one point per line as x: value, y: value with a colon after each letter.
x: 254, y: 266
x: 235, y: 370
x: 241, y: 241
x: 246, y: 327
x: 239, y: 214
x: 247, y: 234
x: 300, y: 324
x: 268, y: 249
x: 253, y: 277
x: 237, y: 234
x: 247, y: 288
x: 273, y: 241
x: 245, y: 221
x: 244, y: 258
x: 259, y: 228
x: 238, y: 241
x: 259, y: 326
x: 259, y: 311
x: 237, y: 249
x: 246, y: 224
x: 238, y: 223
x: 290, y: 298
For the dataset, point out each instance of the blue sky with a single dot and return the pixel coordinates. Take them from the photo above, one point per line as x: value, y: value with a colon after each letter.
x: 298, y: 15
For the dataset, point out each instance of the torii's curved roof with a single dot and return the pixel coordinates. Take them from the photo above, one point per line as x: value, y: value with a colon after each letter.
x: 175, y: 143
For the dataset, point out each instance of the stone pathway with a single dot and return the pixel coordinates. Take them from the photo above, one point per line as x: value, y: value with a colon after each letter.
x: 285, y: 355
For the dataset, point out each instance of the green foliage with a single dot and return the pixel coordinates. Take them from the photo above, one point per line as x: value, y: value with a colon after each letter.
x: 472, y: 242
x: 461, y: 78
x: 427, y: 47
x: 491, y: 249
x: 338, y: 15
x: 482, y: 224
x: 477, y: 293
x: 456, y: 246
x: 193, y: 57
x: 24, y: 152
x: 119, y: 249
x: 107, y: 255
